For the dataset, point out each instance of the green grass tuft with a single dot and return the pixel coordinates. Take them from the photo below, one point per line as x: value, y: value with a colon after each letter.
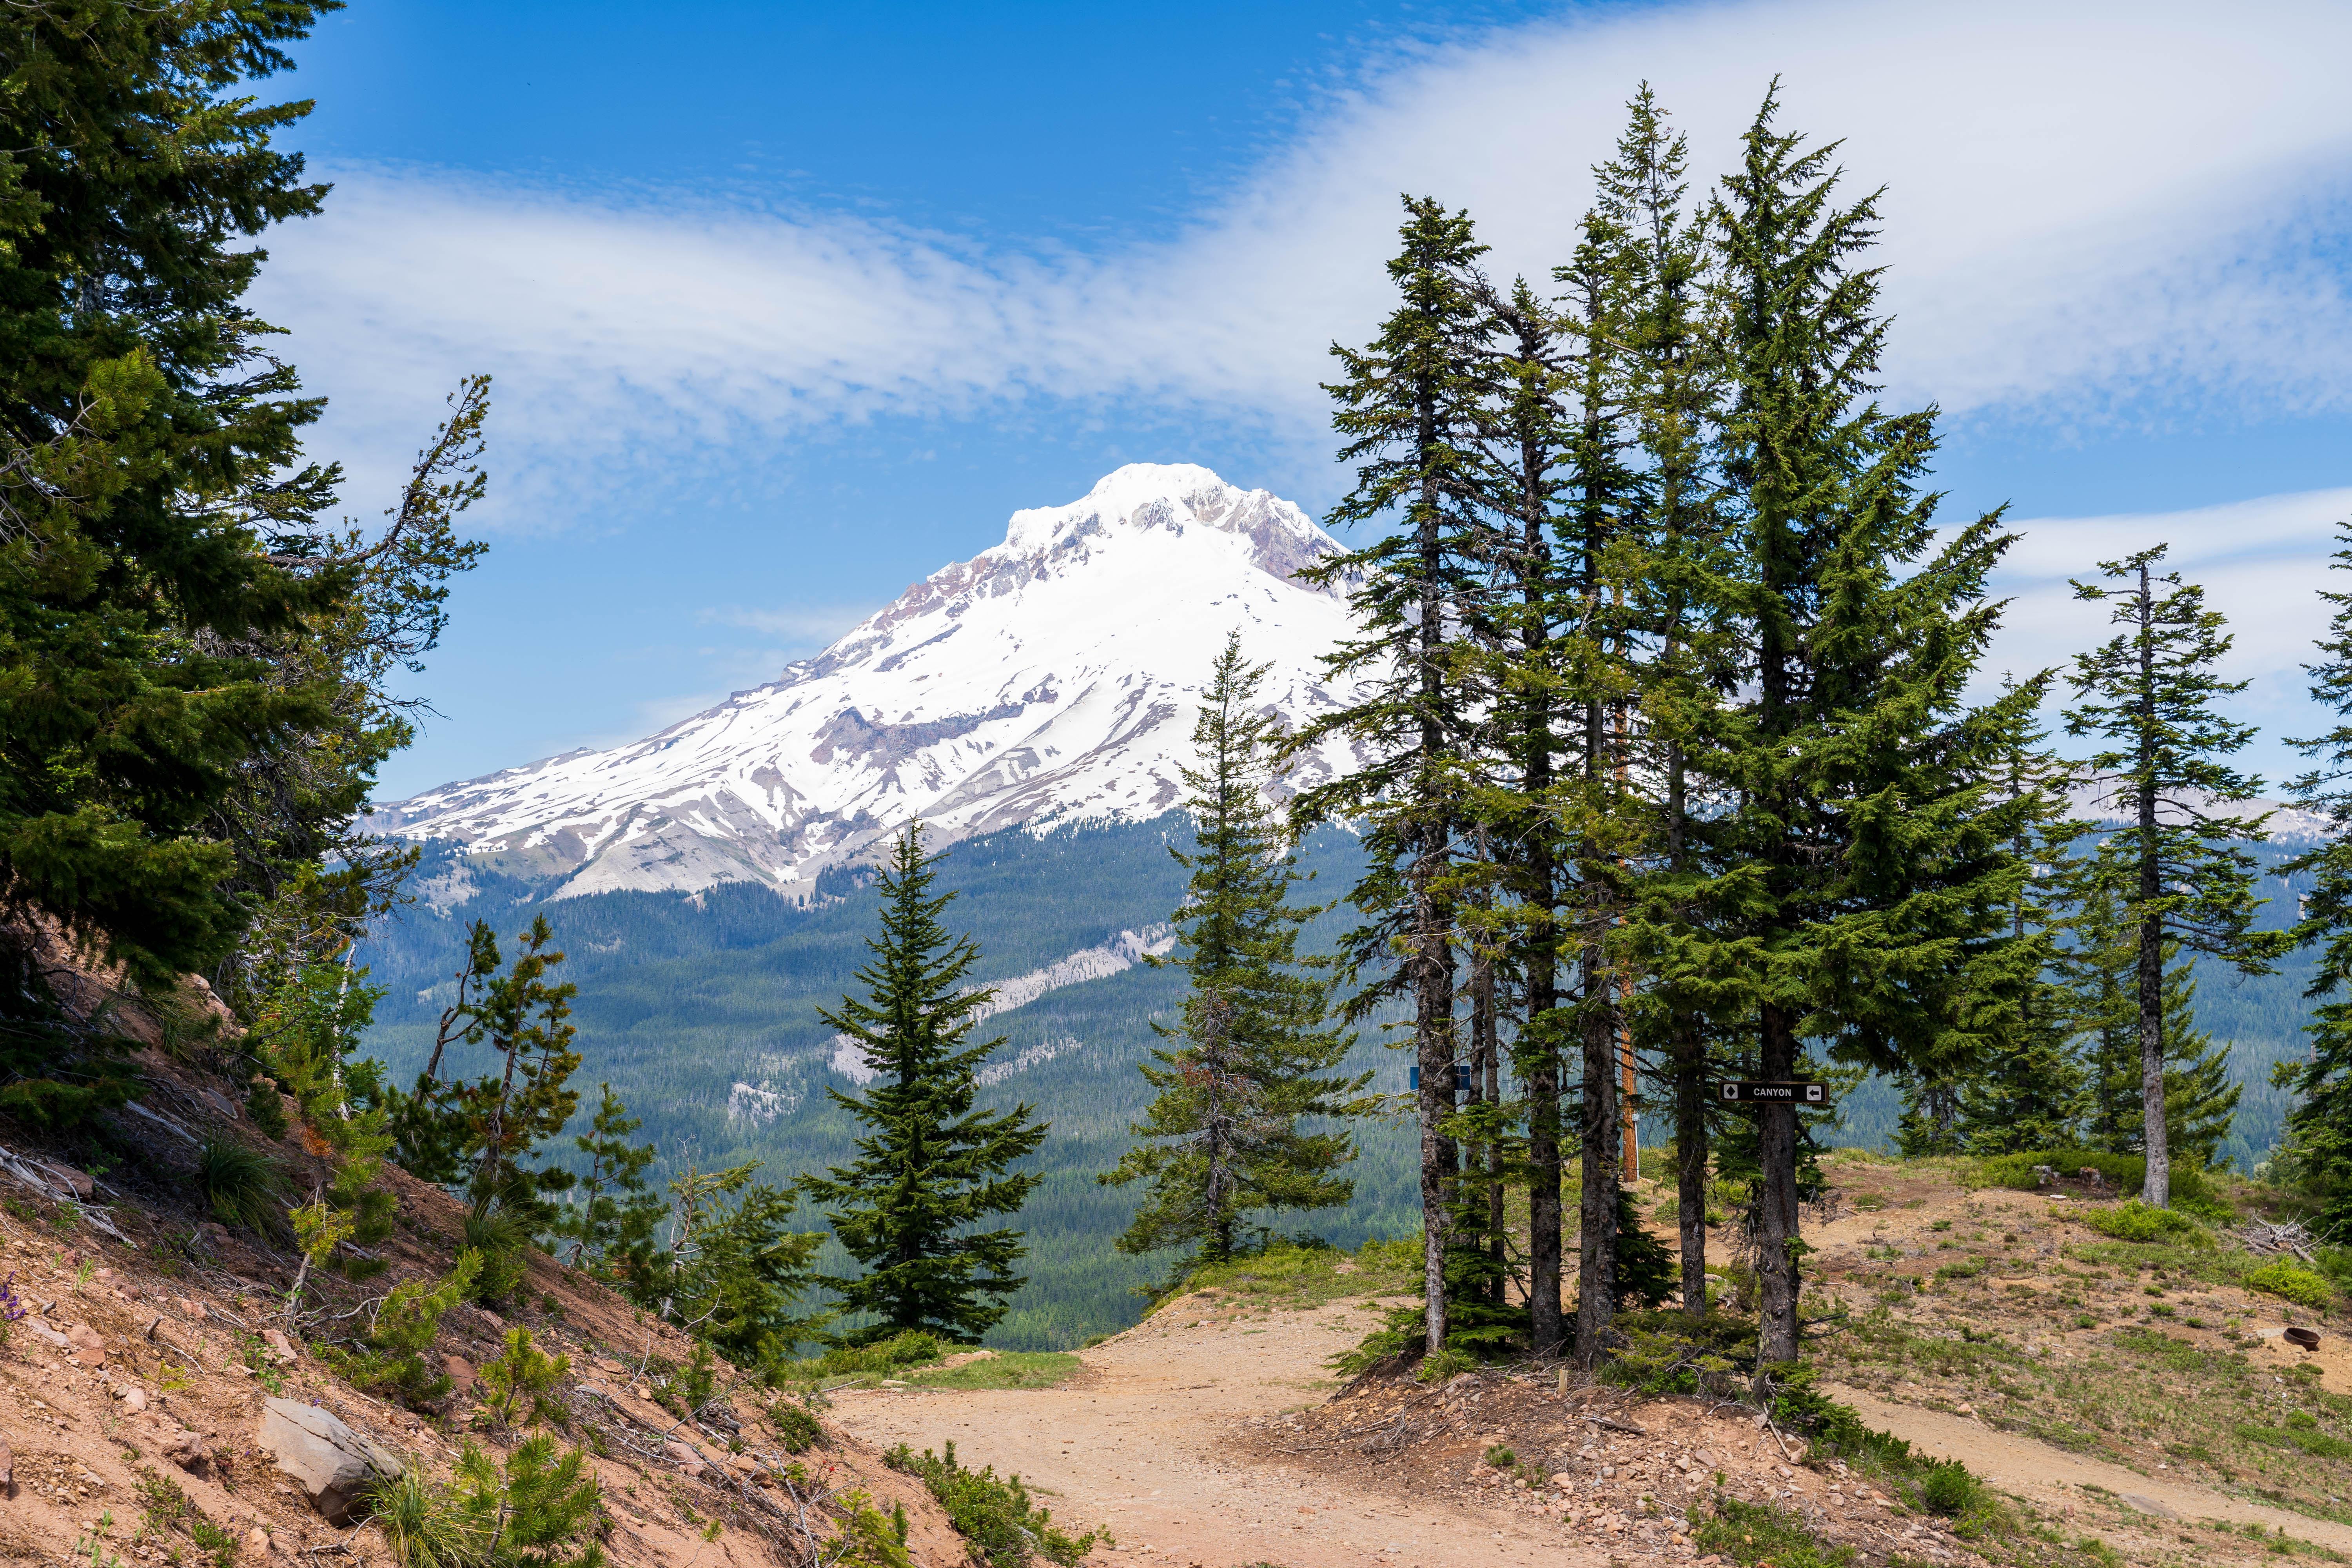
x: 242, y: 1186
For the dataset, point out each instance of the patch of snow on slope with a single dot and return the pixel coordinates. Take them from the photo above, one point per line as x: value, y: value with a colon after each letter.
x: 1121, y: 953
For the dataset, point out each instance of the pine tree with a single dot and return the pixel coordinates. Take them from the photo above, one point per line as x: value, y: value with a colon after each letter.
x: 2030, y: 1091
x: 1668, y: 564
x: 1411, y: 407
x: 931, y: 1166
x: 1522, y: 474
x: 2150, y: 693
x: 613, y: 1212
x: 1257, y: 1056
x: 2103, y: 971
x: 730, y: 1270
x: 2319, y: 1126
x: 483, y: 1134
x: 155, y: 515
x: 1863, y: 787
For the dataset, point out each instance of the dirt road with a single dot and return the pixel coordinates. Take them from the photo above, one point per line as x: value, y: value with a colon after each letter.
x: 1137, y: 1442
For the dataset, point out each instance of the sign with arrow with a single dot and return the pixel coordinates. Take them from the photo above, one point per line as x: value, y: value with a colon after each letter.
x: 1811, y: 1096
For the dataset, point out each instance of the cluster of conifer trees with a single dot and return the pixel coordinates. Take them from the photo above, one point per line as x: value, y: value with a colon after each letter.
x: 1667, y: 680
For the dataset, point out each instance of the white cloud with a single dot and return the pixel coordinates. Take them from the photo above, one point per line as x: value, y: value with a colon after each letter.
x: 802, y: 625
x: 2087, y: 204
x: 2260, y: 561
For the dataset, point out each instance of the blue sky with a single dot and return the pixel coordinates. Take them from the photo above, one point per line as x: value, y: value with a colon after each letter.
x: 789, y: 305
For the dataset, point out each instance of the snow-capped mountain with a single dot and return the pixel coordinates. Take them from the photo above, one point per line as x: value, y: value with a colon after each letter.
x: 1053, y: 676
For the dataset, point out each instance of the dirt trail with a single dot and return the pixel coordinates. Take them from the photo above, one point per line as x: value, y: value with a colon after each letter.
x: 2047, y: 1475
x: 1140, y: 1442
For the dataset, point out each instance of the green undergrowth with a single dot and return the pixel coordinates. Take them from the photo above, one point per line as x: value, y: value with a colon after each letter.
x: 1291, y: 1275
x: 1751, y: 1534
x: 2293, y: 1283
x: 2201, y: 1194
x: 995, y: 1517
x: 1006, y: 1369
x: 2135, y: 1221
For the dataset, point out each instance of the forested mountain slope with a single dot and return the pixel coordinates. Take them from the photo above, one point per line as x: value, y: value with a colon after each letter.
x: 700, y: 1008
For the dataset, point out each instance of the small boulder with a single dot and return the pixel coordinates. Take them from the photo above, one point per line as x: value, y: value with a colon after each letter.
x: 492, y: 1319
x: 188, y: 1449
x: 461, y: 1371
x: 89, y: 1348
x: 190, y: 1309
x: 134, y: 1400
x: 281, y: 1350
x: 688, y: 1459
x: 258, y: 1544
x: 45, y: 1334
x: 7, y: 1469
x: 333, y: 1464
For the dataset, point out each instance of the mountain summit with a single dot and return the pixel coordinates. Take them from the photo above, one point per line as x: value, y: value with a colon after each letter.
x: 1051, y: 677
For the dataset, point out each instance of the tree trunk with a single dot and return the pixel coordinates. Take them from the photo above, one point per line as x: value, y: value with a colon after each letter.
x: 1433, y: 992
x: 1596, y: 1263
x: 1777, y: 1227
x: 1486, y: 1050
x: 2157, y: 1191
x: 1690, y: 1158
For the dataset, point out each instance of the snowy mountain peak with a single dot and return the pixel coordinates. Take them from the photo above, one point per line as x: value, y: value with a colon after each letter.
x: 1051, y: 677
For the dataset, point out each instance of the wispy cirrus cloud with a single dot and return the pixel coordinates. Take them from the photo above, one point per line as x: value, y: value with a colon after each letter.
x: 2088, y: 206
x: 799, y: 624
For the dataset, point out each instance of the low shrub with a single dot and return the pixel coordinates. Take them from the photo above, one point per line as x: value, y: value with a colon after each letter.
x: 1752, y: 1533
x: 1947, y: 1488
x: 2291, y: 1282
x: 796, y: 1425
x: 911, y: 1347
x: 2135, y: 1221
x: 2307, y: 1439
x: 499, y: 1237
x: 2125, y: 1172
x: 242, y: 1186
x: 994, y: 1516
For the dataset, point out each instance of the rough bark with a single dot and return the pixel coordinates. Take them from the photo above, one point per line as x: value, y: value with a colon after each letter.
x: 1777, y: 1223
x: 1596, y: 1263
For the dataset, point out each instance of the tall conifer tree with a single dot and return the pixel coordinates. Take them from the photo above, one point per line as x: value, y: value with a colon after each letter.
x: 1411, y: 407
x: 2320, y: 1127
x: 931, y: 1166
x: 1670, y: 563
x: 1864, y: 786
x: 1222, y: 1136
x: 2176, y: 870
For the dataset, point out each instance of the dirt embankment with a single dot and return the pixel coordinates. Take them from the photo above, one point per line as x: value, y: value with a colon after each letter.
x: 132, y: 1389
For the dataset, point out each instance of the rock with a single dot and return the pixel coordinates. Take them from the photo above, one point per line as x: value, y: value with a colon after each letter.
x: 101, y: 1275
x: 606, y: 1364
x: 281, y: 1350
x: 88, y: 1349
x: 8, y: 1467
x: 186, y: 1448
x: 642, y: 1391
x: 45, y: 1334
x: 1563, y: 1480
x: 81, y: 1186
x: 742, y: 1464
x: 189, y: 1308
x: 134, y: 1400
x: 461, y: 1373
x: 333, y: 1464
x: 492, y: 1319
x: 257, y: 1542
x: 688, y: 1459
